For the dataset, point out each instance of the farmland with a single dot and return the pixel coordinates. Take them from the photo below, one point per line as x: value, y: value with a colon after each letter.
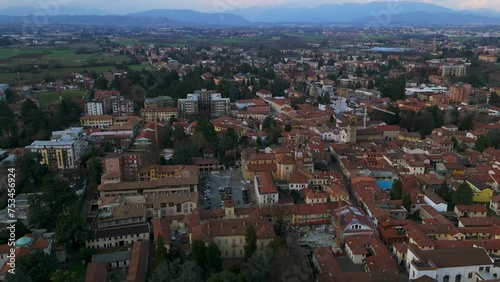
x: 34, y: 63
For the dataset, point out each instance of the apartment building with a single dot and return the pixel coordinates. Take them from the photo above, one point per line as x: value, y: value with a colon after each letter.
x: 453, y: 70
x: 265, y: 189
x: 96, y: 121
x: 219, y: 106
x: 188, y: 106
x: 95, y: 108
x: 460, y: 92
x: 63, y: 150
x: 122, y: 107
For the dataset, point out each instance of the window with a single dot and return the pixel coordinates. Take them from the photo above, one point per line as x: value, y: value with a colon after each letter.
x: 481, y: 268
x: 458, y: 278
x: 470, y: 275
x: 446, y: 278
x: 487, y: 269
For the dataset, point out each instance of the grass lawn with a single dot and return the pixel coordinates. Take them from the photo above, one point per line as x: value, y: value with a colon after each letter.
x: 53, y: 97
x: 74, y: 266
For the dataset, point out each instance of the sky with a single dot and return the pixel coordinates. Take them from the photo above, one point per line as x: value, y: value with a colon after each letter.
x: 130, y: 6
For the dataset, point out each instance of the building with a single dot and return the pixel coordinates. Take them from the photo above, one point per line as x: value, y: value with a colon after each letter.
x: 158, y: 114
x: 488, y: 58
x: 95, y: 108
x: 205, y: 98
x: 434, y: 200
x: 99, y: 121
x: 229, y: 234
x: 121, y: 167
x: 122, y: 107
x: 454, y: 264
x: 265, y: 189
x: 118, y: 236
x: 453, y: 70
x: 189, y: 106
x: 460, y: 92
x: 159, y: 102
x: 353, y: 222
x: 96, y: 272
x: 185, y: 184
x: 63, y: 150
x: 23, y: 246
x: 219, y: 107
x: 138, y: 265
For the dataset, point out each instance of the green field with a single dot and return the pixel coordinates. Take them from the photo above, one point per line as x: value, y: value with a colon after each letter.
x: 48, y: 98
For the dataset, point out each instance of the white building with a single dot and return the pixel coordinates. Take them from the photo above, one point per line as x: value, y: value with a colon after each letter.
x: 265, y: 189
x: 63, y: 150
x: 95, y: 108
x: 219, y: 107
x: 434, y: 200
x: 455, y: 264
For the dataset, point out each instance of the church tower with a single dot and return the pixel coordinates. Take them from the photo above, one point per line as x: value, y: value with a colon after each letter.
x: 351, y: 130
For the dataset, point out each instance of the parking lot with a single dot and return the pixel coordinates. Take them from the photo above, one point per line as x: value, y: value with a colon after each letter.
x: 228, y: 185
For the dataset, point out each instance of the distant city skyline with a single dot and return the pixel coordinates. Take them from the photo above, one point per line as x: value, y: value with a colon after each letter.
x: 125, y: 7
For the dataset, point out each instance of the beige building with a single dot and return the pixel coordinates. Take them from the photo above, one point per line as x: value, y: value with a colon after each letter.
x: 453, y: 70
x: 488, y: 58
x: 186, y: 184
x: 158, y: 114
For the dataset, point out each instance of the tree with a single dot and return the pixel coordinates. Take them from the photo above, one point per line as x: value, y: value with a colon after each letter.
x: 63, y: 276
x: 55, y: 200
x: 115, y: 84
x: 407, y: 202
x: 257, y: 267
x: 178, y: 134
x: 250, y: 241
x: 225, y: 276
x: 176, y: 271
x: 9, y: 95
x: 482, y: 143
x: 71, y: 228
x: 370, y: 84
x: 463, y: 195
x: 213, y: 258
x: 161, y: 251
x: 467, y: 123
x: 37, y: 265
x: 288, y: 127
x: 86, y: 254
x: 443, y: 191
x: 182, y: 156
x: 101, y: 83
x: 31, y: 170
x: 359, y: 72
x: 199, y: 253
x: 397, y: 190
x: 494, y: 137
x: 20, y: 276
x: 494, y: 100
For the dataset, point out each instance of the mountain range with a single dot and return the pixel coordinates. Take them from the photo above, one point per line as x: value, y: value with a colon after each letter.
x: 373, y: 13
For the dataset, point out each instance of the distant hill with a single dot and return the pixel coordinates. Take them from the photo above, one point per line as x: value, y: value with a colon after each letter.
x: 108, y: 20
x: 190, y: 16
x: 423, y: 18
x: 345, y: 12
x: 61, y: 10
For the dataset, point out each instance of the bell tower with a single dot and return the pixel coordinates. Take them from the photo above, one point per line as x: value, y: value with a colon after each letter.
x: 351, y: 130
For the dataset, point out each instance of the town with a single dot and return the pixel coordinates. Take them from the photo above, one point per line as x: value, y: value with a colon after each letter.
x: 294, y: 153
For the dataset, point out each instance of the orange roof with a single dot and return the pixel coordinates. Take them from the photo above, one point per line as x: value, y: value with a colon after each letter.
x: 266, y: 183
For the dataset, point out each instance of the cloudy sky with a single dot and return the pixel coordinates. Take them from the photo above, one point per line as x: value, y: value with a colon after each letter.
x: 127, y: 6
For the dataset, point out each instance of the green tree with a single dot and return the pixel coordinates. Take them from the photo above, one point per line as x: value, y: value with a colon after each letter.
x: 227, y: 143
x: 494, y: 137
x: 358, y: 85
x: 30, y: 169
x: 161, y: 251
x: 176, y: 271
x: 101, y: 83
x: 86, y: 254
x: 397, y: 190
x: 288, y: 127
x: 71, y: 228
x: 21, y: 230
x: 466, y: 123
x: 182, y: 156
x: 199, y: 253
x: 407, y: 202
x: 482, y: 143
x: 250, y: 241
x: 20, y: 276
x: 463, y: 195
x: 225, y: 276
x: 9, y: 95
x: 370, y: 84
x: 213, y: 258
x: 115, y: 84
x: 257, y: 268
x: 494, y: 100
x: 63, y: 276
x: 38, y: 265
x: 55, y: 201
x: 178, y: 134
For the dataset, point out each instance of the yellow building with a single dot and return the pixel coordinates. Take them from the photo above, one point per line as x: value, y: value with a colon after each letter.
x: 482, y: 192
x: 158, y: 114
x: 228, y: 233
x: 99, y: 121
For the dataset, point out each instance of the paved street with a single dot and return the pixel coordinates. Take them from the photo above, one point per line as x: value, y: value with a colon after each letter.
x: 231, y: 178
